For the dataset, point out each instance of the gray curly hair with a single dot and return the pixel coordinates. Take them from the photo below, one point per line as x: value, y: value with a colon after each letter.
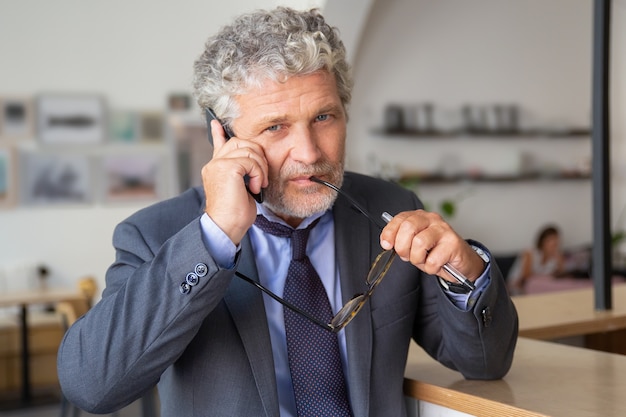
x: 261, y: 45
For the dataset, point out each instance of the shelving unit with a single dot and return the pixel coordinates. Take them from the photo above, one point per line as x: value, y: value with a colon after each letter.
x: 508, y: 137
x: 503, y: 135
x: 440, y: 179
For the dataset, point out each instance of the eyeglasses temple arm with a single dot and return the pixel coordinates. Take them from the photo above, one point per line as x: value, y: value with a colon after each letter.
x: 351, y: 200
x: 286, y: 303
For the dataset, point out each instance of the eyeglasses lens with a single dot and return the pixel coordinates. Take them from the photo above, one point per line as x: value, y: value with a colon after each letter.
x: 377, y: 272
x: 379, y: 268
x: 347, y: 312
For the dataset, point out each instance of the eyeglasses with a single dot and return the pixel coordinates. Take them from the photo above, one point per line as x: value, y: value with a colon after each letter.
x: 377, y: 272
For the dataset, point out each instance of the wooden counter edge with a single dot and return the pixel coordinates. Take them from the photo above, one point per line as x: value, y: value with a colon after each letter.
x: 553, y: 331
x: 462, y: 402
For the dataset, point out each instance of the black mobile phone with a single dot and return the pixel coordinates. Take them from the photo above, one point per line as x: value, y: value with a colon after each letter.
x: 210, y: 115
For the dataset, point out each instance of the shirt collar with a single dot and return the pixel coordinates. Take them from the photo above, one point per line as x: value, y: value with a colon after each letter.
x: 269, y: 215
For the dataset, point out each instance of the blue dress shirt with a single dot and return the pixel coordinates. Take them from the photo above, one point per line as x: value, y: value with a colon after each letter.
x: 272, y: 255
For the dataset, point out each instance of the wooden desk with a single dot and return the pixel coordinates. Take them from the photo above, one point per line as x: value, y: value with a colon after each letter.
x: 568, y: 313
x: 24, y: 299
x: 546, y: 379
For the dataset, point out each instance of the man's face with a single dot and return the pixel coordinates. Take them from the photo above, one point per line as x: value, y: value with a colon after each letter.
x: 301, y: 125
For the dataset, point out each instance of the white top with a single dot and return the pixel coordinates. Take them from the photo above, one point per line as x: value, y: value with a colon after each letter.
x: 537, y: 268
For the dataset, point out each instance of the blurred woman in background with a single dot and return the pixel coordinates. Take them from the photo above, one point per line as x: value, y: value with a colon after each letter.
x: 545, y: 259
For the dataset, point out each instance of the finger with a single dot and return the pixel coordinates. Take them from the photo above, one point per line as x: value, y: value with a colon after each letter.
x: 248, y: 158
x: 431, y: 261
x: 257, y: 172
x: 388, y: 234
x: 218, y: 134
x: 415, y: 235
x: 256, y: 165
x: 405, y: 231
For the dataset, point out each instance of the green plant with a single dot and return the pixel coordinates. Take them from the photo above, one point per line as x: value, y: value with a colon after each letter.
x: 447, y: 207
x: 618, y: 235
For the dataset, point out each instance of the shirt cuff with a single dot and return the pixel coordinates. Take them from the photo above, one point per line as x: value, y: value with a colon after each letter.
x: 219, y: 245
x: 466, y: 301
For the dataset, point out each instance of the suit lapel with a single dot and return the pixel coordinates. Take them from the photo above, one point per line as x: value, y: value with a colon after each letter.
x: 353, y: 252
x: 245, y: 303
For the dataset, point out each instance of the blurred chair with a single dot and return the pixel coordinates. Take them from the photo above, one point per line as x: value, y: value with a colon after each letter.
x: 88, y: 287
x: 70, y: 311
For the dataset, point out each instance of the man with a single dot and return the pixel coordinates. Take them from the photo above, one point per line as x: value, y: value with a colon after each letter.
x: 182, y: 307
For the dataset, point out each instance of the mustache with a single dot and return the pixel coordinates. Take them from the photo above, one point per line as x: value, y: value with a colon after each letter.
x: 298, y: 170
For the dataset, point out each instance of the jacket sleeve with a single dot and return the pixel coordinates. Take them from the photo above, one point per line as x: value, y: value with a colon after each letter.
x: 144, y: 321
x: 479, y: 342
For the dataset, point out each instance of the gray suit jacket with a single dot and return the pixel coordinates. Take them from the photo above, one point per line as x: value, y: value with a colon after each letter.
x: 209, y: 350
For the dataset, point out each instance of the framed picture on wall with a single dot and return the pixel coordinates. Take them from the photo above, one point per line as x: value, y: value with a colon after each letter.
x: 8, y: 177
x: 132, y: 177
x: 71, y: 119
x: 55, y: 178
x: 193, y: 150
x: 124, y: 126
x: 152, y: 126
x: 178, y: 102
x: 16, y: 118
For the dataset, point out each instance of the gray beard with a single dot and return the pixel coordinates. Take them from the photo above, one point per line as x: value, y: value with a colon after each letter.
x: 310, y: 201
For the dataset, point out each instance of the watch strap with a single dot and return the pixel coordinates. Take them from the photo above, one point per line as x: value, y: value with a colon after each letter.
x: 453, y: 286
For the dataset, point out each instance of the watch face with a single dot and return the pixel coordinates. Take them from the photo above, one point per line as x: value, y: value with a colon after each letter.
x: 481, y: 253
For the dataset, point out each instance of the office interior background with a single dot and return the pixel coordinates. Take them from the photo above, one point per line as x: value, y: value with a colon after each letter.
x: 432, y: 61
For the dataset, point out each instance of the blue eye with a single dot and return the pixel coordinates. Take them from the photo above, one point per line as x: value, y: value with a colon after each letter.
x: 322, y: 117
x: 273, y: 128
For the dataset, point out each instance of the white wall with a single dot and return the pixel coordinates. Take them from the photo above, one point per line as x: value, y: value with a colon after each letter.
x: 134, y: 53
x: 536, y: 53
x: 137, y: 52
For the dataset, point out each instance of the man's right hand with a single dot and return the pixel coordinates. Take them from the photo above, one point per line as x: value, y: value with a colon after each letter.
x: 228, y: 202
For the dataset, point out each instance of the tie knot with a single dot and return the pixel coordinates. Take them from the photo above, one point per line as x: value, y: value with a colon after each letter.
x: 299, y: 237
